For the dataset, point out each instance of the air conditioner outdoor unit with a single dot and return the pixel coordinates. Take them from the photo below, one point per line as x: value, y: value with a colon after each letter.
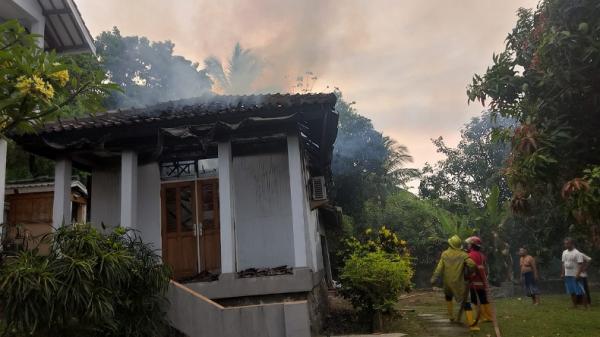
x: 319, y: 192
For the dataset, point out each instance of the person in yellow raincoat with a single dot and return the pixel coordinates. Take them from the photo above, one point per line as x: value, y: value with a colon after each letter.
x: 451, y: 269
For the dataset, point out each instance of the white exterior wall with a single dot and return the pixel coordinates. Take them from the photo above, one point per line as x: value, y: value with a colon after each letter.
x: 148, y: 208
x: 263, y: 215
x: 313, y: 239
x: 106, y: 201
x: 106, y: 197
x: 298, y: 200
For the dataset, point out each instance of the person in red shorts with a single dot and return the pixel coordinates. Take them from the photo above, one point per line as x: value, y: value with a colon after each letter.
x: 478, y: 280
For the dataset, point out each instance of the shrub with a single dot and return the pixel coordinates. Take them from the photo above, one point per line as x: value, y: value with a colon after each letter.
x: 377, y: 270
x: 91, y: 284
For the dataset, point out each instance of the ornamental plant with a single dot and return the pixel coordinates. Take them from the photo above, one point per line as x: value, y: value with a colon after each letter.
x: 38, y: 86
x: 376, y: 271
x: 91, y: 284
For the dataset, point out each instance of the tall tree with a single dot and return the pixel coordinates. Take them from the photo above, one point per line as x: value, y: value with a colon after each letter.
x: 366, y: 164
x: 471, y: 183
x: 547, y: 79
x: 470, y: 171
x: 148, y: 72
x: 242, y: 70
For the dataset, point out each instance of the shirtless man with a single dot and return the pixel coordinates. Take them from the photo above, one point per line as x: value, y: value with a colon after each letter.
x: 529, y: 275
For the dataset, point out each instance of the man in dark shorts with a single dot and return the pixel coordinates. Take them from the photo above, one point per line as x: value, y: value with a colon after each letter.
x: 478, y: 279
x: 529, y: 275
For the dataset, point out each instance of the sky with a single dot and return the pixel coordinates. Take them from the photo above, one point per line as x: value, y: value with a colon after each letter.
x: 406, y: 63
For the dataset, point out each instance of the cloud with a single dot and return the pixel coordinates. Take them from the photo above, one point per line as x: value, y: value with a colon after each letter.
x: 405, y: 63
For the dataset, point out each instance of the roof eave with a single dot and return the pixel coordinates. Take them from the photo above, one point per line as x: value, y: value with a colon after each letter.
x: 69, y: 7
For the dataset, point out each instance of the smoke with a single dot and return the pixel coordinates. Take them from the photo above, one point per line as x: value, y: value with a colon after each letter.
x: 291, y: 44
x: 240, y: 74
x: 148, y: 72
x: 307, y: 40
x: 406, y: 63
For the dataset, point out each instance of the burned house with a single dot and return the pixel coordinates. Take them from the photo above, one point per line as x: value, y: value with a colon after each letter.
x: 233, y: 187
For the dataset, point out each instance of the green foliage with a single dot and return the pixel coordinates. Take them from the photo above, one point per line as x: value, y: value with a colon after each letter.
x: 472, y: 169
x: 366, y: 165
x: 21, y: 165
x: 376, y: 271
x: 336, y: 240
x: 148, y: 72
x: 426, y: 226
x: 91, y: 284
x: 544, y: 80
x: 37, y: 86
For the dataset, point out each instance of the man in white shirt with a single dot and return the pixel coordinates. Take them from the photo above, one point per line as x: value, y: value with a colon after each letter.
x: 572, y: 267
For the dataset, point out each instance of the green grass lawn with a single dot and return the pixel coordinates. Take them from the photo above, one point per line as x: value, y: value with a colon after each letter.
x: 517, y: 317
x: 553, y: 317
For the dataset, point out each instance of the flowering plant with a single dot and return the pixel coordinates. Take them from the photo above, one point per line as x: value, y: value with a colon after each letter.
x: 37, y: 86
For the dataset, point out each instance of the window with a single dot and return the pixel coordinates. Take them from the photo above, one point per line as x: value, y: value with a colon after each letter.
x: 189, y: 169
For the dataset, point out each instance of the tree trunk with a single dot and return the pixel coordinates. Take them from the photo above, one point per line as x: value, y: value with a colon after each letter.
x: 377, y: 322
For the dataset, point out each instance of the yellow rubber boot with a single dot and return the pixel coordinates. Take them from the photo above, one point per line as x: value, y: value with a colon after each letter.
x: 470, y: 321
x: 450, y: 307
x: 486, y: 313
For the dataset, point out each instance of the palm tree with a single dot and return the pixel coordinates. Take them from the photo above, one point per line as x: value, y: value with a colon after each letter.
x: 394, y: 165
x: 243, y: 69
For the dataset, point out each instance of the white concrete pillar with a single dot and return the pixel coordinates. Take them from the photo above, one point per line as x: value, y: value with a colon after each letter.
x: 61, y: 212
x: 3, y: 151
x: 297, y: 200
x: 38, y: 28
x: 129, y: 181
x: 226, y: 207
x: 33, y: 13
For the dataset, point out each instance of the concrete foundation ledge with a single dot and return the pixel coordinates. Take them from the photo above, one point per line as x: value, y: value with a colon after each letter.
x: 197, y: 316
x: 229, y: 285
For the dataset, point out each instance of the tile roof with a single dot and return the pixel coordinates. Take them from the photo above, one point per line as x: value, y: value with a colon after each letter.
x: 23, y: 186
x: 221, y: 105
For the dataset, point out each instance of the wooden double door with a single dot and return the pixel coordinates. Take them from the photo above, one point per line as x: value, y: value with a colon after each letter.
x: 190, y: 227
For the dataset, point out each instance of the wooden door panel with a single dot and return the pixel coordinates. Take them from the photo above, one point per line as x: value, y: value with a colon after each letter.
x: 170, y: 253
x: 178, y: 228
x: 189, y: 255
x: 212, y: 251
x: 208, y: 191
x: 34, y: 212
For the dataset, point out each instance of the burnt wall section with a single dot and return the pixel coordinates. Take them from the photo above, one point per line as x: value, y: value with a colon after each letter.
x: 263, y: 216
